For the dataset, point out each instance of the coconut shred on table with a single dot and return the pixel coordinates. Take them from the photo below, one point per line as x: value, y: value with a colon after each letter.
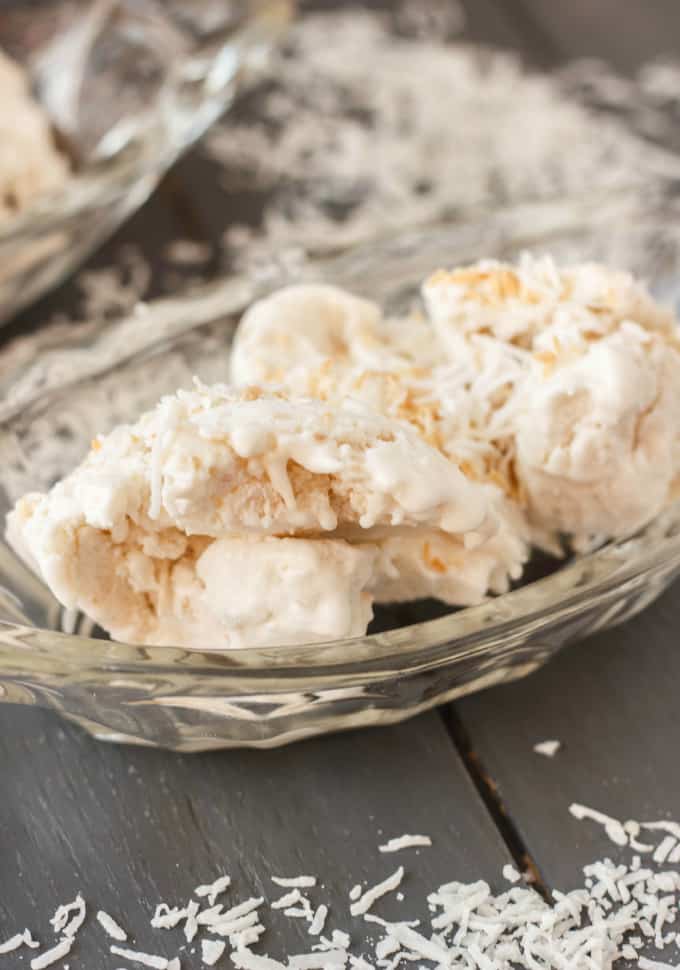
x: 626, y: 909
x: 356, y: 458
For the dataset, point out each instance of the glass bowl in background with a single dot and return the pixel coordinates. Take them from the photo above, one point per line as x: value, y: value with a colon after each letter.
x: 128, y: 87
x: 59, y: 389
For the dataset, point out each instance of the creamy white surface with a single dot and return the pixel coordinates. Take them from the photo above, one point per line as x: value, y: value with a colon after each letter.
x: 395, y: 368
x: 595, y: 440
x: 310, y: 337
x: 129, y: 535
x: 427, y: 458
x: 233, y: 592
x: 421, y: 564
x: 593, y: 370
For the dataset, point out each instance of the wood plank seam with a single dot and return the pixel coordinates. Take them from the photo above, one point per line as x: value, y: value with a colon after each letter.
x: 489, y: 793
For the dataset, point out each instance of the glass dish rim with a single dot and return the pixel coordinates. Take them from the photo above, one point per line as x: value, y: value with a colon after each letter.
x: 104, y: 180
x: 412, y: 645
x: 357, y: 654
x: 82, y: 193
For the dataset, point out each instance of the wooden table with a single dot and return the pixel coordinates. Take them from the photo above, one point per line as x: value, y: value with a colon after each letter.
x: 129, y: 827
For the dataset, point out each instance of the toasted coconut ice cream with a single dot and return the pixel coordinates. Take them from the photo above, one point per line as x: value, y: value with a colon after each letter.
x: 299, y: 328
x: 167, y: 588
x: 326, y: 343
x: 593, y: 368
x: 310, y: 338
x: 339, y: 348
x: 135, y: 533
x: 533, y: 302
x: 30, y: 163
x: 425, y: 563
x: 596, y: 436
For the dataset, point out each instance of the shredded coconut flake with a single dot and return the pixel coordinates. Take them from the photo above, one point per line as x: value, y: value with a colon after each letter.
x: 297, y: 882
x: 79, y: 910
x: 548, y: 748
x: 621, y: 910
x: 211, y: 951
x: 214, y: 890
x: 246, y: 960
x: 247, y: 937
x: 319, y: 921
x: 359, y: 963
x: 144, y: 959
x: 58, y: 952
x: 19, y: 939
x: 663, y: 849
x: 405, y: 842
x: 297, y: 912
x: 61, y: 917
x: 191, y: 924
x: 109, y: 925
x: 511, y: 874
x: 294, y: 896
x: 166, y: 917
x: 243, y: 909
x: 363, y: 904
x: 236, y: 925
x: 338, y: 941
x: 207, y: 917
x: 613, y: 828
x: 318, y: 961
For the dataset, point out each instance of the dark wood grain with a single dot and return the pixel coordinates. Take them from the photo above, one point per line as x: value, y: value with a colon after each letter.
x: 131, y: 827
x: 612, y: 702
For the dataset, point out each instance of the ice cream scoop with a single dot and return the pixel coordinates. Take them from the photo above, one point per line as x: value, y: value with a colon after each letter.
x: 147, y: 534
x: 592, y: 367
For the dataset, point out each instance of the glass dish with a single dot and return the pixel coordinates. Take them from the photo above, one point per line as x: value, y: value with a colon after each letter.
x: 128, y: 87
x: 59, y: 388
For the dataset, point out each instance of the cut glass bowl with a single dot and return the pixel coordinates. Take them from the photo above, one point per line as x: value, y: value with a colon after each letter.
x: 128, y: 87
x: 59, y: 388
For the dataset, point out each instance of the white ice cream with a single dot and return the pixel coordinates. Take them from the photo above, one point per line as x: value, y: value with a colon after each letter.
x: 311, y: 337
x: 160, y: 529
x: 595, y: 438
x: 394, y: 460
x: 323, y: 342
x: 167, y: 588
x: 337, y: 347
x: 591, y: 398
x: 421, y: 564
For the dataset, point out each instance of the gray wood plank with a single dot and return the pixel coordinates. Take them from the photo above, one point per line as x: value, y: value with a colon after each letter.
x: 130, y: 827
x: 613, y: 703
